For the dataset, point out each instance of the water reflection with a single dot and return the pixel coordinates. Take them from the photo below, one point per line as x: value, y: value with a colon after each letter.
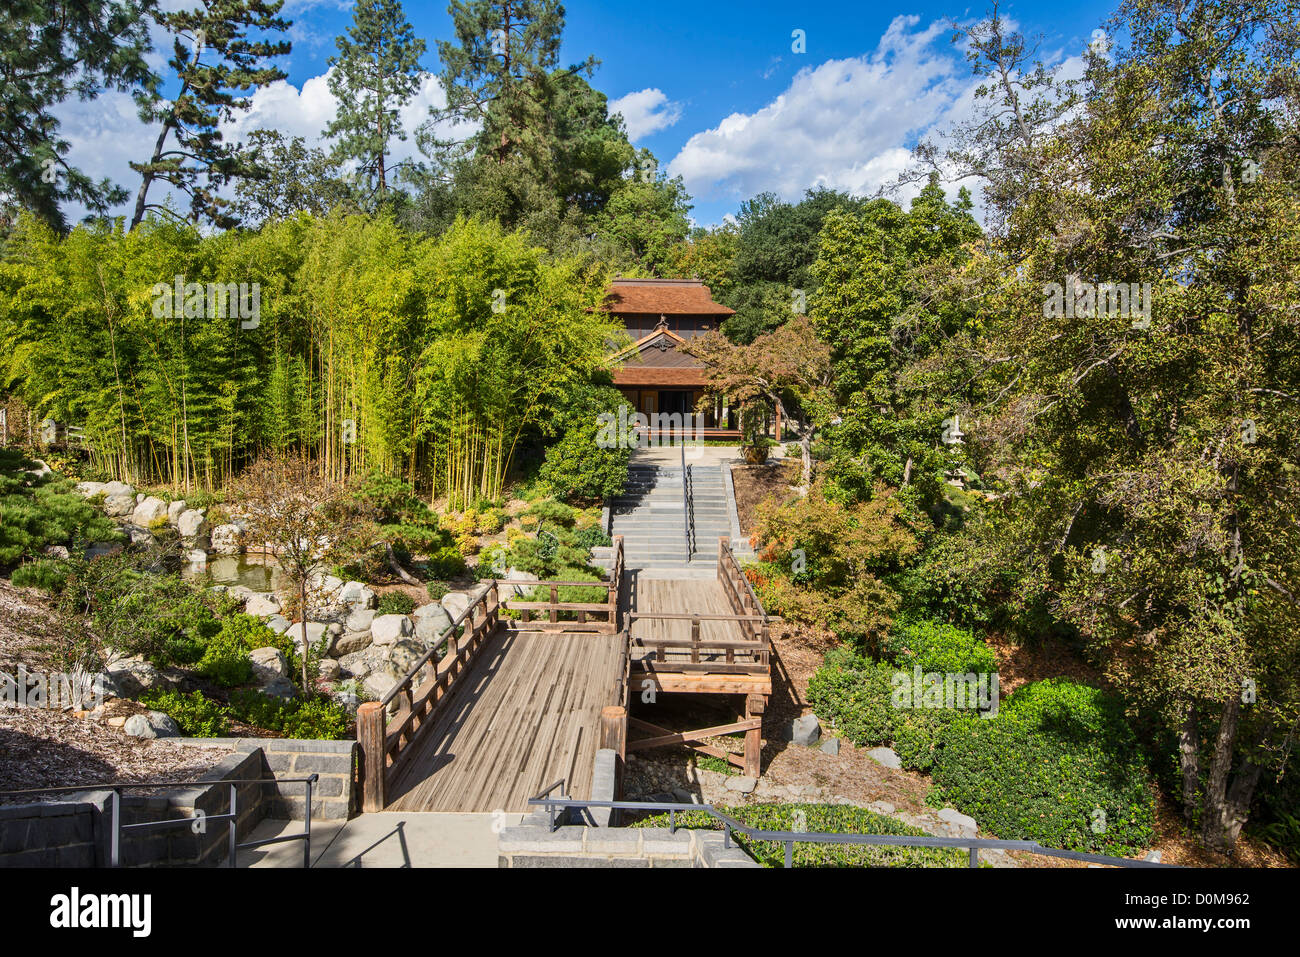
x: 251, y: 571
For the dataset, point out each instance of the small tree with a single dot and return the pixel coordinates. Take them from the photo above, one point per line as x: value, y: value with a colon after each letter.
x: 301, y: 519
x: 790, y: 361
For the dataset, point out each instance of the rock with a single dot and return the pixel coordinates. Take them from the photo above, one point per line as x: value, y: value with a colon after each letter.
x: 191, y: 524
x: 279, y: 688
x: 360, y: 664
x: 359, y: 620
x: 402, y: 656
x: 515, y: 575
x: 138, y: 535
x: 886, y: 756
x: 387, y: 629
x: 741, y: 783
x: 119, y: 506
x: 684, y: 796
x: 153, y: 725
x: 90, y: 489
x: 56, y: 551
x: 316, y: 632
x: 432, y: 624
x: 805, y: 731
x: 263, y: 605
x: 454, y: 602
x: 326, y: 587
x: 1153, y: 857
x: 119, y: 488
x: 349, y: 700
x: 139, y: 497
x: 227, y: 540
x: 268, y: 664
x: 350, y: 642
x: 378, y: 684
x: 198, y: 557
x: 279, y: 624
x: 151, y: 510
x: 881, y: 807
x: 831, y: 745
x: 174, y: 510
x: 329, y: 669
x: 128, y: 677
x: 956, y: 823
x: 356, y: 595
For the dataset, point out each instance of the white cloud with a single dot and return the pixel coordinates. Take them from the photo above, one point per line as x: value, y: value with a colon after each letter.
x: 646, y: 111
x: 846, y: 124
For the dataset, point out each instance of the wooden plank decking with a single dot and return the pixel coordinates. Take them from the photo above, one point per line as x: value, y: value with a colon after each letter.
x: 526, y: 715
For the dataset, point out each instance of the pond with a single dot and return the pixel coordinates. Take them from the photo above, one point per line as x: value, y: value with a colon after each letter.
x: 247, y: 570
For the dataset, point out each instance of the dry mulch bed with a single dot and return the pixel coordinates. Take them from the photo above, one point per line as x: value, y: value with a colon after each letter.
x: 755, y: 483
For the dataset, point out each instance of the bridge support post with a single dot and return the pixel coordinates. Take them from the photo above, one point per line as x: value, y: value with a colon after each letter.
x: 370, y: 735
x: 755, y: 705
x: 613, y: 735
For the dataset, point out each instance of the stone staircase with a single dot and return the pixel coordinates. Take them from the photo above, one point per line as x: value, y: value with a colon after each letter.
x: 648, y: 514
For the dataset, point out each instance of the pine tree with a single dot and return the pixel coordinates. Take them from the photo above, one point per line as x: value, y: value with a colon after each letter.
x: 376, y: 72
x: 214, y: 59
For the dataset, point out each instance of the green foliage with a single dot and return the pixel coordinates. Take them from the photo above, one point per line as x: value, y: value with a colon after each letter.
x: 1057, y: 754
x: 197, y: 715
x: 551, y: 511
x: 437, y: 590
x: 309, y: 718
x: 225, y: 660
x: 395, y: 603
x: 41, y: 510
x: 47, y: 575
x: 823, y: 818
x: 937, y: 646
x: 584, y: 464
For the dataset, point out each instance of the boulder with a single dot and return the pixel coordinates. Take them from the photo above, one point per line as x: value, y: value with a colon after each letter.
x: 886, y: 756
x: 151, y: 510
x: 359, y: 620
x: 316, y: 632
x: 128, y: 677
x: 329, y: 669
x: 350, y: 642
x: 515, y: 575
x: 359, y: 664
x: 90, y: 489
x: 153, y: 725
x: 432, y: 624
x: 268, y: 664
x: 956, y: 823
x: 56, y: 551
x: 831, y: 745
x: 741, y: 783
x: 402, y: 656
x: 356, y: 595
x: 279, y: 688
x: 175, y: 510
x: 326, y: 587
x: 119, y: 488
x: 227, y: 540
x: 388, y: 629
x: 806, y: 730
x: 454, y: 602
x: 191, y: 524
x: 262, y: 604
x: 378, y: 684
x: 279, y: 624
x: 198, y: 556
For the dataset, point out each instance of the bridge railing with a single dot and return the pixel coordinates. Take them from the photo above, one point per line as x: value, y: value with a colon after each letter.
x: 600, y: 617
x: 387, y: 728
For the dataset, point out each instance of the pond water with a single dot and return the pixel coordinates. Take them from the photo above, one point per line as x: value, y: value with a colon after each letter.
x: 249, y: 571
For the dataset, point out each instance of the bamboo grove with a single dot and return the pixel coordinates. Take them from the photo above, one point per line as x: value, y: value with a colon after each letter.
x: 346, y: 339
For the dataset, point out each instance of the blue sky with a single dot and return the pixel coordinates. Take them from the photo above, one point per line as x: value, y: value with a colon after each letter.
x: 714, y: 89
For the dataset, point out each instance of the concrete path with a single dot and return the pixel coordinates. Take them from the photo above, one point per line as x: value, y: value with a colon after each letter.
x: 386, y: 839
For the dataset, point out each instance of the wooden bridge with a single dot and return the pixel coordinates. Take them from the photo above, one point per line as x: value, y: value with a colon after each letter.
x: 524, y: 692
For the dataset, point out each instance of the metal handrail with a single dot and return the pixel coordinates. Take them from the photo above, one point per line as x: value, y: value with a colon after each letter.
x: 231, y: 816
x: 789, y: 838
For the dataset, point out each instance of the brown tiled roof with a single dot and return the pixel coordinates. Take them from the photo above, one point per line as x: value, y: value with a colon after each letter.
x: 637, y: 375
x: 667, y: 297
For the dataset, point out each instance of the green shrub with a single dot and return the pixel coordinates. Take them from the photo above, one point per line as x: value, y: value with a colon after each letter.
x: 1058, y: 765
x: 436, y: 590
x: 827, y: 819
x: 445, y: 563
x: 549, y: 510
x: 198, y: 716
x: 226, y: 660
x: 47, y: 574
x: 36, y: 511
x: 395, y: 603
x: 312, y: 718
x: 937, y: 646
x: 593, y: 536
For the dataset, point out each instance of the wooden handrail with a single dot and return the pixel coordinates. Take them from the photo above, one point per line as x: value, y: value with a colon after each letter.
x: 551, y: 608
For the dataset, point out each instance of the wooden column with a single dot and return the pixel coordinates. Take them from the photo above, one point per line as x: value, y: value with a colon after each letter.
x: 370, y: 735
x: 755, y: 705
x: 613, y: 735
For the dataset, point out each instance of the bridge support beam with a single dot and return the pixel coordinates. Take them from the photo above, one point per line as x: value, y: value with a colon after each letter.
x: 755, y: 705
x: 370, y: 735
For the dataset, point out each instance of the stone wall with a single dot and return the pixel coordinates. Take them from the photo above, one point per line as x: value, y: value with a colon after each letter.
x: 335, y: 797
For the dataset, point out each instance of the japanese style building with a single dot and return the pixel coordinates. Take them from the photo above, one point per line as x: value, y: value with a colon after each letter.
x: 662, y: 315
